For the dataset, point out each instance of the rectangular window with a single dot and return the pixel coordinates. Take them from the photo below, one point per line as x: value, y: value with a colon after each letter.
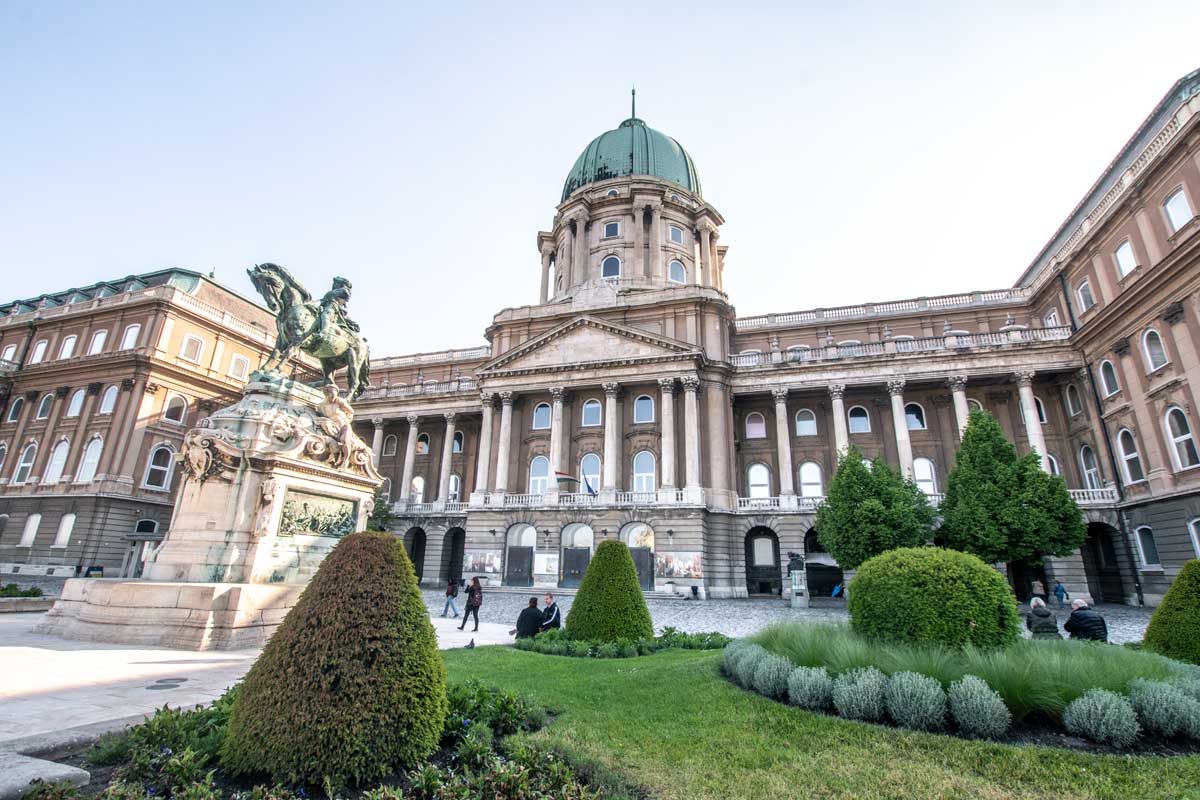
x: 612, y: 229
x: 676, y: 235
x: 764, y: 552
x: 239, y: 366
x: 1194, y: 530
x: 193, y: 348
x: 1086, y: 298
x: 1123, y: 255
x: 1148, y: 547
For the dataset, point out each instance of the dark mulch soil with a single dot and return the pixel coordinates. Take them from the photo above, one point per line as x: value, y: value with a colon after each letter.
x: 1045, y: 735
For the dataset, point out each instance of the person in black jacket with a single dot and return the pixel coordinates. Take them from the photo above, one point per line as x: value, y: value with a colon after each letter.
x: 1041, y: 621
x: 529, y: 623
x: 474, y: 601
x: 550, y: 616
x: 1086, y: 623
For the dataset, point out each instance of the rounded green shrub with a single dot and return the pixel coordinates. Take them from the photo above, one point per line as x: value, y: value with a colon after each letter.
x: 731, y: 654
x: 1174, y: 630
x: 351, y: 687
x: 609, y: 604
x: 1102, y: 716
x: 860, y: 694
x: 927, y: 595
x: 811, y: 688
x: 747, y: 665
x: 916, y: 701
x: 978, y: 709
x: 1163, y: 709
x: 771, y: 676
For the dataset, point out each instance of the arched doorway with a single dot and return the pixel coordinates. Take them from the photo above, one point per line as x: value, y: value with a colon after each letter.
x: 763, y: 576
x: 414, y: 543
x: 518, y: 555
x: 1100, y: 564
x: 640, y: 538
x: 454, y: 544
x: 821, y: 571
x: 577, y: 540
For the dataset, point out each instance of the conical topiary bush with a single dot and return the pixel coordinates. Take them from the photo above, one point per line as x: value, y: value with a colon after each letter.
x: 351, y: 687
x: 1174, y: 630
x: 609, y: 604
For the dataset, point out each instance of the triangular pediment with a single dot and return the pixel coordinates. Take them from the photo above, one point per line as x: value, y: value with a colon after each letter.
x: 588, y: 341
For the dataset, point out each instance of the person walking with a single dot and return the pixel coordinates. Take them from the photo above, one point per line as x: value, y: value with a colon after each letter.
x: 1061, y: 593
x: 1041, y: 620
x: 529, y: 622
x: 550, y: 616
x: 451, y: 593
x: 1086, y: 623
x: 474, y: 601
x: 1039, y: 590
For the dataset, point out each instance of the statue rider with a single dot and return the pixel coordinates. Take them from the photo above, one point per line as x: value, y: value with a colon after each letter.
x: 333, y: 310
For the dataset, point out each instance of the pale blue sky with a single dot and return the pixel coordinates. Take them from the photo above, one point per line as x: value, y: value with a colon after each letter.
x: 858, y: 152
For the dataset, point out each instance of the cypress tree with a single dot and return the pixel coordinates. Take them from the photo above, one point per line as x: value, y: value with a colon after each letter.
x: 609, y: 604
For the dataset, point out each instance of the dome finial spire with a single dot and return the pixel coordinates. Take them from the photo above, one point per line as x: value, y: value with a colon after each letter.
x: 633, y: 103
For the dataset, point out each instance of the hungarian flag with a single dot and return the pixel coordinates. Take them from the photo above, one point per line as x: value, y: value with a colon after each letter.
x: 568, y: 478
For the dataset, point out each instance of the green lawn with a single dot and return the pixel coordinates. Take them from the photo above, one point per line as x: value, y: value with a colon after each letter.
x: 671, y: 723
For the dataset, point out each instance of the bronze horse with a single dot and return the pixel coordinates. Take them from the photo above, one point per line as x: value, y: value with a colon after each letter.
x: 312, y: 328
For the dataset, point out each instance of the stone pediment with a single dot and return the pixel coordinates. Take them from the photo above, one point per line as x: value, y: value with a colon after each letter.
x: 588, y: 341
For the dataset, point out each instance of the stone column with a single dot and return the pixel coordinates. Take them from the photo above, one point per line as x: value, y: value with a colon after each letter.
x: 900, y: 422
x: 656, y: 241
x: 668, y: 432
x: 783, y: 440
x: 612, y: 437
x: 447, y: 453
x: 962, y: 409
x: 546, y: 253
x: 506, y: 401
x: 580, y: 268
x: 377, y: 440
x: 410, y: 455
x: 639, y: 267
x: 485, y: 445
x: 707, y: 251
x: 841, y: 435
x: 691, y: 431
x: 556, y: 439
x: 1189, y: 361
x: 1033, y: 425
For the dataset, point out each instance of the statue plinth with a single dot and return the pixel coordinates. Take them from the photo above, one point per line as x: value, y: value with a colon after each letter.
x: 268, y: 487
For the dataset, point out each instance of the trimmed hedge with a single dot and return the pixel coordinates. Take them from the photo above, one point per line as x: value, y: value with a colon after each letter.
x: 351, y: 687
x: 609, y: 604
x: 1174, y: 630
x: 927, y: 595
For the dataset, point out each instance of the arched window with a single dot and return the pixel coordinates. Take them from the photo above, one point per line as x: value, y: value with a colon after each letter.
x: 75, y: 407
x: 108, y: 401
x: 860, y: 420
x: 644, y: 478
x: 914, y: 415
x: 158, y: 468
x: 974, y: 404
x: 1108, y: 378
x: 756, y: 426
x: 29, y: 533
x: 57, y: 463
x: 925, y: 476
x: 578, y: 535
x: 90, y: 461
x: 3, y: 454
x: 10, y: 353
x: 146, y: 526
x: 1180, y: 433
x: 521, y: 535
x: 390, y: 444
x: 541, y: 417
x: 1126, y: 262
x: 1129, y: 457
x: 98, y: 340
x: 65, y: 525
x: 676, y: 272
x: 810, y: 480
x: 643, y: 409
x: 39, y: 352
x: 638, y: 534
x: 539, y: 475
x: 1084, y: 292
x: 850, y: 347
x: 175, y: 409
x: 130, y: 337
x: 1090, y: 467
x: 676, y: 234
x: 799, y: 352
x: 1179, y: 211
x: 1052, y: 463
x: 610, y: 267
x: 591, y: 413
x: 457, y: 445
x: 758, y: 480
x: 1074, y: 403
x: 44, y: 406
x: 589, y: 473
x: 1041, y: 410
x: 416, y: 491
x: 67, y: 348
x: 14, y: 411
x: 1147, y: 547
x: 385, y: 490
x: 611, y: 193
x: 455, y: 489
x: 1156, y: 354
x: 25, y: 463
x: 423, y: 444
x: 806, y: 423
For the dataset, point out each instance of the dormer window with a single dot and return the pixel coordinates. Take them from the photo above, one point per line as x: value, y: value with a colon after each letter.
x: 676, y: 234
x: 612, y: 230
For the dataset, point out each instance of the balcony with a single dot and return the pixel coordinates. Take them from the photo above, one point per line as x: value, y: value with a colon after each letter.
x: 443, y: 508
x: 1090, y: 498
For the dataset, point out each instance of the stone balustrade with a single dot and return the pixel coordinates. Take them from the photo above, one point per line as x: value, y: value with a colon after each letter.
x: 455, y: 386
x: 867, y: 310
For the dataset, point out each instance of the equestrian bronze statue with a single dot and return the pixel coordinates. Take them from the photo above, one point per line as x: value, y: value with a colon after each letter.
x: 320, y: 329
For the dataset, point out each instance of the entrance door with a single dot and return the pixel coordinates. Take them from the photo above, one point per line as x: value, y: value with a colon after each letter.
x: 518, y: 567
x: 575, y: 563
x: 763, y: 575
x: 454, y: 559
x: 643, y: 559
x: 1100, y: 565
x: 414, y: 542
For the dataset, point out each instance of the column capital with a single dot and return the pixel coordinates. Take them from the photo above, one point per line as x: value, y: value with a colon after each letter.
x: 611, y: 388
x: 667, y: 385
x: 1121, y: 346
x: 1173, y: 313
x: 1082, y: 374
x: 1024, y: 377
x: 506, y: 398
x: 895, y: 387
x: 377, y: 422
x: 450, y: 417
x: 486, y: 399
x: 837, y: 390
x: 957, y: 383
x: 691, y: 383
x: 412, y: 419
x: 556, y: 393
x: 547, y: 250
x: 780, y: 393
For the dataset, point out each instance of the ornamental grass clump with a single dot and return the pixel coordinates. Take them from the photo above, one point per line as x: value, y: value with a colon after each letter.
x: 811, y: 688
x: 1162, y: 709
x: 1174, y: 630
x: 609, y: 604
x: 1102, y: 716
x: 771, y: 676
x: 916, y: 701
x: 977, y: 709
x: 860, y: 694
x: 351, y: 688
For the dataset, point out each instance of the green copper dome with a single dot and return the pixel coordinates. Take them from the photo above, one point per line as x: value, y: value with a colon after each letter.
x: 633, y: 149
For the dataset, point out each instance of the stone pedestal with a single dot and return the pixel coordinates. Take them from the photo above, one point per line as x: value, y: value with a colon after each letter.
x: 268, y: 489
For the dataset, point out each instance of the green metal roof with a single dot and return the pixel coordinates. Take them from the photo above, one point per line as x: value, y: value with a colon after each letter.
x: 634, y: 148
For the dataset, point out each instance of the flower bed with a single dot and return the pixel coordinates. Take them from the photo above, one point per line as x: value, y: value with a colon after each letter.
x: 1111, y: 695
x: 561, y: 643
